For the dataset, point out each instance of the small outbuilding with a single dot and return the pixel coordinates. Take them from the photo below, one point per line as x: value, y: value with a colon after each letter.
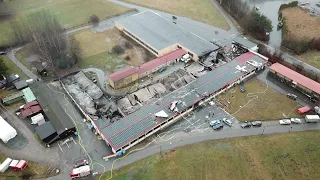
x: 47, y: 133
x: 12, y: 78
x: 40, y: 69
x: 21, y: 84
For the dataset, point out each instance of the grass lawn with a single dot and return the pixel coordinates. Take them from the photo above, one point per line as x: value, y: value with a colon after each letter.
x: 23, y: 53
x: 13, y: 69
x: 312, y: 58
x: 202, y: 11
x: 300, y: 24
x: 32, y: 171
x: 280, y: 156
x: 268, y: 105
x: 69, y: 12
x: 96, y: 47
x: 105, y: 61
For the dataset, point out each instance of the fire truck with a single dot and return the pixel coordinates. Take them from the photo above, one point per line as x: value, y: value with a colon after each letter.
x: 80, y: 172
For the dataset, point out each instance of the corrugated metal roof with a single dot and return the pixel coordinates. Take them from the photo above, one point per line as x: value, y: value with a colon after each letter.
x: 28, y: 95
x: 129, y: 128
x: 159, y: 33
x: 295, y: 76
x: 161, y: 60
x: 31, y: 110
x: 122, y: 73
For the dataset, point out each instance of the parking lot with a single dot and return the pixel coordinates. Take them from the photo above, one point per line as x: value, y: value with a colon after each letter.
x: 196, y: 122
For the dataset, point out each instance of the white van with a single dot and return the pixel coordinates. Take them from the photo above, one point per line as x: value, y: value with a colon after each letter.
x: 185, y: 58
x: 312, y: 118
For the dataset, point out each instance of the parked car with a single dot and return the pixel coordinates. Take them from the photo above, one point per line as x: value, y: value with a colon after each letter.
x: 3, y: 53
x: 256, y: 123
x: 246, y: 124
x: 217, y: 127
x: 214, y: 122
x: 227, y: 122
x: 82, y: 163
x: 295, y: 121
x: 285, y: 122
x: 292, y: 96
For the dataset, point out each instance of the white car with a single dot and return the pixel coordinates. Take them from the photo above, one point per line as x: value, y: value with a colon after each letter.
x: 285, y: 122
x: 227, y: 121
x: 295, y: 121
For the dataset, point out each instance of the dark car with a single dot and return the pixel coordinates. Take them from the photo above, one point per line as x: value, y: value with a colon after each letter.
x: 256, y: 123
x: 3, y: 53
x: 217, y: 127
x: 246, y: 125
x: 292, y: 96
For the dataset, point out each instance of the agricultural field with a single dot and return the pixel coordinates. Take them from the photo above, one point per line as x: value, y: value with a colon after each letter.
x: 70, y: 13
x: 97, y: 50
x: 202, y: 11
x: 300, y: 25
x: 259, y: 102
x: 279, y: 156
x: 32, y: 171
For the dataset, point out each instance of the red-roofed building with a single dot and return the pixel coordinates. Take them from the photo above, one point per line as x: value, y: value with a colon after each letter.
x: 156, y: 64
x: 123, y: 77
x: 296, y: 80
x: 31, y: 110
x: 128, y: 75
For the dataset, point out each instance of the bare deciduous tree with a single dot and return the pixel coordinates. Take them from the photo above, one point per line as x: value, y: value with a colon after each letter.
x: 47, y: 39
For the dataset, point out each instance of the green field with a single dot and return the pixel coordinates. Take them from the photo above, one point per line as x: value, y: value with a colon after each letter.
x: 69, y: 12
x: 202, y: 10
x: 23, y: 53
x: 105, y: 61
x: 282, y: 156
x: 265, y: 103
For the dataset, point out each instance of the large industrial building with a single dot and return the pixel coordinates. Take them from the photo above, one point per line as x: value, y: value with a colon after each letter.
x: 133, y: 128
x: 161, y: 36
x: 296, y: 80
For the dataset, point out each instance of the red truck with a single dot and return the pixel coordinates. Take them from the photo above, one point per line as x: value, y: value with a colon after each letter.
x: 80, y: 170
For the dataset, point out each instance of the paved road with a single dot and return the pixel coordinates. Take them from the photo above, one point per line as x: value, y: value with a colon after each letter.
x: 292, y: 60
x: 182, y: 139
x: 39, y: 153
x: 11, y: 55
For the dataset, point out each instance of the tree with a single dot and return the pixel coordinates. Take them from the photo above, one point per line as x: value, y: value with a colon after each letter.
x: 94, y: 19
x: 259, y: 22
x: 47, y: 39
x: 75, y: 51
x: 3, y: 67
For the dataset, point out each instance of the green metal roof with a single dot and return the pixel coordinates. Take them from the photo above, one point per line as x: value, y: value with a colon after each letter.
x: 28, y: 95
